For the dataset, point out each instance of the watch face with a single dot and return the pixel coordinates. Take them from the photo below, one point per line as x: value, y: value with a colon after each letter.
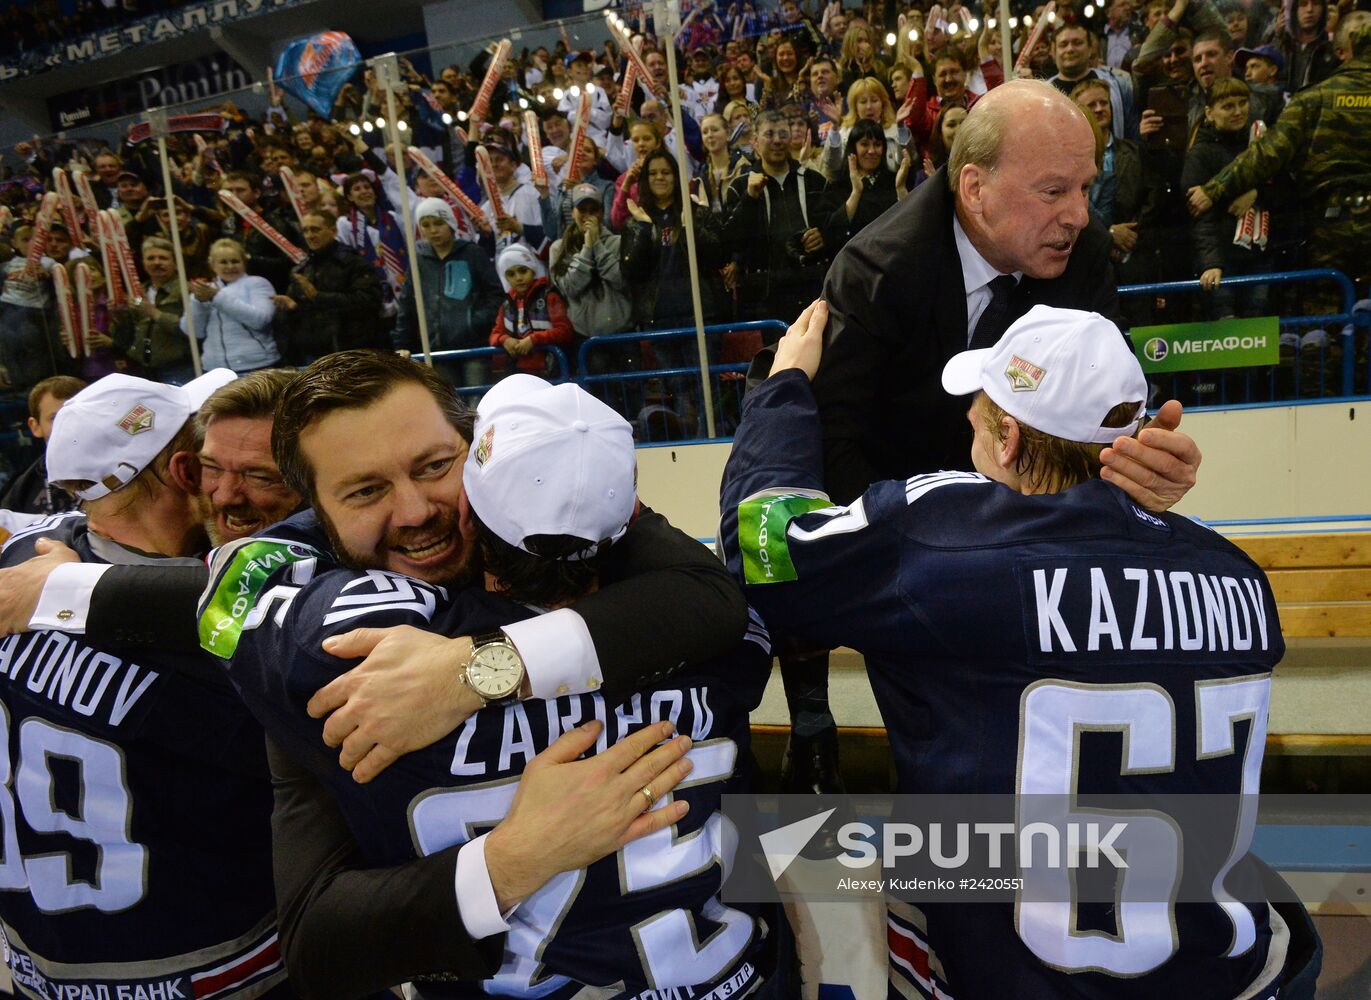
x: 496, y: 671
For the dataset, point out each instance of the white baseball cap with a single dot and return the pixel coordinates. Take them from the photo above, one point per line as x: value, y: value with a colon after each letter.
x: 550, y: 460
x: 1060, y: 371
x: 112, y: 430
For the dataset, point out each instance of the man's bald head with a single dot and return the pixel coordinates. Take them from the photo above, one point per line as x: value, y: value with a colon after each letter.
x: 1021, y: 177
x: 1014, y: 111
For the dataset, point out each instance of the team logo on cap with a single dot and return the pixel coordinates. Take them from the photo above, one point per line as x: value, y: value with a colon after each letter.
x: 1024, y: 376
x: 137, y: 420
x: 483, y: 446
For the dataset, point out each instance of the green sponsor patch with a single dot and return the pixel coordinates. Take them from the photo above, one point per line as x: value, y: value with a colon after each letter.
x: 1190, y: 347
x: 223, y: 616
x: 762, y: 524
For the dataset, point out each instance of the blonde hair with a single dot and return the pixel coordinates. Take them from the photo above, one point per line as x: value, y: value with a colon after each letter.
x: 143, y: 487
x: 1052, y: 464
x: 868, y: 85
x: 848, y: 56
x: 227, y: 243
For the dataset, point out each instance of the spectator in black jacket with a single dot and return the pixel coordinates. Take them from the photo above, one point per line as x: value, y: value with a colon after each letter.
x: 1218, y: 250
x: 334, y: 302
x: 866, y: 189
x: 773, y: 219
x: 264, y: 257
x: 29, y: 492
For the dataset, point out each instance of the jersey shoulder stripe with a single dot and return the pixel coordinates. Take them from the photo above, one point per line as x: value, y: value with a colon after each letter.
x: 918, y: 487
x: 46, y: 526
x: 379, y: 590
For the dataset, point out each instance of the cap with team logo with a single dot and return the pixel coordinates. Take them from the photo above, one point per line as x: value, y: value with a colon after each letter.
x: 550, y: 460
x: 112, y: 430
x: 1060, y: 371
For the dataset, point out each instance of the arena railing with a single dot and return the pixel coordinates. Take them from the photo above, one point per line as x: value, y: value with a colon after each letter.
x: 666, y: 402
x: 457, y: 366
x: 1330, y: 367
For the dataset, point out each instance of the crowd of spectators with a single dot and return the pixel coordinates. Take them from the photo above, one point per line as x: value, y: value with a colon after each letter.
x: 800, y: 127
x: 32, y: 27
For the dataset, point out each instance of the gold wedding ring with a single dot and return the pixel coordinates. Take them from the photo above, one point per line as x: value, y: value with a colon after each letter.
x: 646, y: 790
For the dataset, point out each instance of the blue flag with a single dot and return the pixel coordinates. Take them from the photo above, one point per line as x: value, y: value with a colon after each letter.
x: 315, y: 69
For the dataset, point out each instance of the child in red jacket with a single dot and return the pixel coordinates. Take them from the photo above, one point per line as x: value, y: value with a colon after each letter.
x: 533, y: 314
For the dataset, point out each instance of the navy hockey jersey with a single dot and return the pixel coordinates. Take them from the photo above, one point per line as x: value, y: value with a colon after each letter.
x: 647, y: 917
x: 1062, y: 644
x: 135, y: 807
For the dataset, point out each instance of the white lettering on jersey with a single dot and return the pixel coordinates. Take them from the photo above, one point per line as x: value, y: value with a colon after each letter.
x: 379, y: 590
x: 1049, y: 613
x: 66, y: 671
x: 1103, y: 621
x: 1198, y: 612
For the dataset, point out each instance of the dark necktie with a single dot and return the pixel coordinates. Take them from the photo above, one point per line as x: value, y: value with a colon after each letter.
x: 996, y: 318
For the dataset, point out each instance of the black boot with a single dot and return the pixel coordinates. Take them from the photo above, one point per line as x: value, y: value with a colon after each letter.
x: 810, y: 765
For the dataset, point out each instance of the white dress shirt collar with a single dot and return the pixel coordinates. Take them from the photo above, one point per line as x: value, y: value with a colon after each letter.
x: 977, y: 272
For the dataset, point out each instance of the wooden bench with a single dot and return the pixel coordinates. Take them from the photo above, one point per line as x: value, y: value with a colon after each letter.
x: 1322, y: 583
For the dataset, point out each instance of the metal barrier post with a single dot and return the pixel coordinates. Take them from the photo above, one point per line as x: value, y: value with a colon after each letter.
x: 670, y: 14
x: 387, y: 69
x: 157, y: 120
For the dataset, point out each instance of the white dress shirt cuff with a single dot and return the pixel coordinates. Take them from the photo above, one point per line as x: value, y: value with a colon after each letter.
x: 558, y: 654
x: 64, y: 604
x: 475, y: 895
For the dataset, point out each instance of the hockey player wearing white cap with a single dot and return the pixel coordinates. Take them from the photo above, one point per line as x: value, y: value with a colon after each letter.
x: 1029, y: 629
x: 136, y: 802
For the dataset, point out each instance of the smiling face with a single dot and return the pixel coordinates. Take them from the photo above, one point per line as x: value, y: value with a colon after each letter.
x: 1176, y: 62
x: 1228, y: 114
x: 227, y: 264
x: 661, y: 180
x: 387, y: 482
x: 1071, y: 49
x: 240, y: 479
x: 132, y: 191
x: 950, y: 79
x: 951, y: 122
x: 362, y: 195
x: 1236, y: 20
x: 870, y: 154
x: 1025, y: 213
x: 557, y: 130
x: 786, y: 59
x: 107, y: 169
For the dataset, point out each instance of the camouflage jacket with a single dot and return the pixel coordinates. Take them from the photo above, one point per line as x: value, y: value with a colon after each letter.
x: 1320, y: 138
